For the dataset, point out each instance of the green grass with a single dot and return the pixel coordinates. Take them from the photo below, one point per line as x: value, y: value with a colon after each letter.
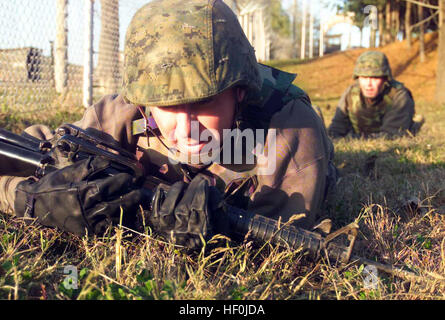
x: 124, y: 265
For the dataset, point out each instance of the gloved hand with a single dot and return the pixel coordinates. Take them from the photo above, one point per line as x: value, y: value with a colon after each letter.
x: 85, y: 196
x: 184, y: 213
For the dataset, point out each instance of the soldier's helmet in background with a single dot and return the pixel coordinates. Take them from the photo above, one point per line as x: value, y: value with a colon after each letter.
x: 373, y: 64
x: 179, y: 52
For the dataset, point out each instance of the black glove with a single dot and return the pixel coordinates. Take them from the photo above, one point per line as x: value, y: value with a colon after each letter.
x: 184, y: 213
x: 85, y: 196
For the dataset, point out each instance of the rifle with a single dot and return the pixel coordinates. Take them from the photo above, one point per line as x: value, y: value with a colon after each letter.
x: 71, y: 143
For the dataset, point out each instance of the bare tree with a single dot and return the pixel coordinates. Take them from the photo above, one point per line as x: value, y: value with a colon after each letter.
x: 294, y: 21
x: 440, y: 84
x: 408, y: 24
x: 61, y: 48
x: 387, y: 30
x: 381, y: 28
x: 108, y: 71
x: 398, y: 17
x: 395, y: 19
x: 421, y: 33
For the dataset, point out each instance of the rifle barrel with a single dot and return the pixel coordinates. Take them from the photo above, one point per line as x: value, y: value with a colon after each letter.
x: 25, y: 143
x: 403, y: 274
x: 33, y: 158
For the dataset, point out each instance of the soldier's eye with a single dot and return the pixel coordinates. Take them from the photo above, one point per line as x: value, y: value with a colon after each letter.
x: 203, y: 102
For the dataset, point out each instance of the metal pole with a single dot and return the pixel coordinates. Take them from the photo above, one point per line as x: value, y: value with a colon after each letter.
x: 321, y: 45
x: 88, y: 55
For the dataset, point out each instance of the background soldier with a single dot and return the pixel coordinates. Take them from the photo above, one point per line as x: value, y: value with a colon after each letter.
x: 375, y: 104
x: 184, y: 62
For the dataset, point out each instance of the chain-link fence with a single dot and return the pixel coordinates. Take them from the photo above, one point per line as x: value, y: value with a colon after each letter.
x: 44, y: 44
x: 70, y: 51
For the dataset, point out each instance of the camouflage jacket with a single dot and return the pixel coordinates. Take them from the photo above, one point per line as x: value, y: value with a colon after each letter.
x: 390, y: 113
x: 303, y: 159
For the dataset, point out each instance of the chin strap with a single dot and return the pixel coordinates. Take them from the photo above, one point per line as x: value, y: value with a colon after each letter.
x: 148, y: 129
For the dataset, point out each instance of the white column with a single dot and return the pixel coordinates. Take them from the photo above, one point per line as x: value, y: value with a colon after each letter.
x: 303, y: 31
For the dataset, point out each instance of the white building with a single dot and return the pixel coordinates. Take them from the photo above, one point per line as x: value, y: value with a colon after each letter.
x: 254, y: 20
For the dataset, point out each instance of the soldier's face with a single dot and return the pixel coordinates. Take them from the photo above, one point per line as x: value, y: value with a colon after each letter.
x: 371, y: 86
x: 183, y: 125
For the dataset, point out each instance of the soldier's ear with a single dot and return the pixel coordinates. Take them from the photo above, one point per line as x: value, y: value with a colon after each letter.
x: 240, y: 94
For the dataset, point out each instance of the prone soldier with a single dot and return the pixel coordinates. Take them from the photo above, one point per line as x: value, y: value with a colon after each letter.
x: 376, y: 104
x: 190, y: 81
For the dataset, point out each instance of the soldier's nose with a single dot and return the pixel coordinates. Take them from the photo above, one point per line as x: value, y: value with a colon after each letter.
x: 184, y: 120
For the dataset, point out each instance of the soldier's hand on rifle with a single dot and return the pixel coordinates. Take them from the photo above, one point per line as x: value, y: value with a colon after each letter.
x: 87, y: 196
x: 187, y: 214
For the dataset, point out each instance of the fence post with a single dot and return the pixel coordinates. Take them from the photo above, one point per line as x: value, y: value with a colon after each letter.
x: 88, y: 55
x: 61, y: 48
x: 303, y: 31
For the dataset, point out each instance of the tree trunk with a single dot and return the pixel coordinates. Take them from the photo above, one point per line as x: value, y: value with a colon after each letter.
x: 381, y: 28
x: 108, y: 71
x: 408, y: 24
x: 387, y: 38
x: 440, y: 84
x: 61, y: 49
x: 421, y: 35
x: 372, y: 38
x: 397, y: 8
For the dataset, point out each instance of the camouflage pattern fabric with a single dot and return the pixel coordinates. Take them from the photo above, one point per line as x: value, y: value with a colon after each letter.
x: 368, y: 120
x: 177, y: 53
x: 373, y: 64
x: 304, y: 153
x: 390, y: 113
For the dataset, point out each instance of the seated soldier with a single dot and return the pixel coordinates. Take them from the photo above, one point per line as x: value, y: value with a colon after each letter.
x: 376, y: 104
x: 188, y: 73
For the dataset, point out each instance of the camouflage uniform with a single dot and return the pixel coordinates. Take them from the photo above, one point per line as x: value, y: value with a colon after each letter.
x: 164, y: 68
x: 390, y: 113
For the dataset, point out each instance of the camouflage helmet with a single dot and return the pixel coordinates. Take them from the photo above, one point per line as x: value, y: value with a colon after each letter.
x: 372, y: 64
x: 179, y: 52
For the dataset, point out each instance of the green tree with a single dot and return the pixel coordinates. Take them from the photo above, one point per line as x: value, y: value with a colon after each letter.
x: 280, y: 20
